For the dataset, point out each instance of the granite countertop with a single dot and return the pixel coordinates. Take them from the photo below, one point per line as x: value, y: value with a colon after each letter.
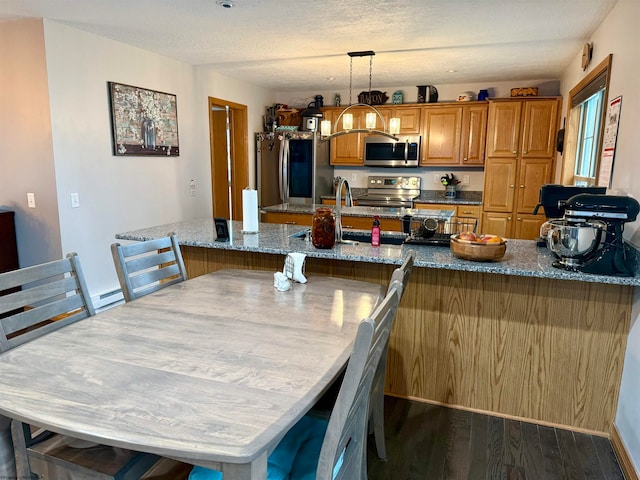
x: 522, y: 258
x: 429, y: 196
x: 437, y: 196
x: 382, y: 212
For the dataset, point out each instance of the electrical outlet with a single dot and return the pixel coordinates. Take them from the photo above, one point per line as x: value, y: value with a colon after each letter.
x: 436, y: 178
x: 192, y: 188
x: 75, y: 200
x: 465, y: 179
x: 31, y: 200
x: 354, y: 177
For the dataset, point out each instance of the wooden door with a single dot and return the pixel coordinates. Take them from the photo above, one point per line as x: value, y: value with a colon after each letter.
x: 503, y: 128
x: 441, y: 135
x: 539, y: 128
x: 474, y: 134
x: 499, y: 184
x: 533, y: 173
x: 238, y: 159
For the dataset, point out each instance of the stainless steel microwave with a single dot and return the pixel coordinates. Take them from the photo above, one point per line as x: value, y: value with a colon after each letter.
x: 380, y: 151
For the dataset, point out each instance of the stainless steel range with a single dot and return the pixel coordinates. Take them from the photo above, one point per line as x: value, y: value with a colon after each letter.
x: 390, y: 192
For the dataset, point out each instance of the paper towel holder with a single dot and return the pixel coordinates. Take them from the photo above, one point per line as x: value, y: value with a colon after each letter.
x: 222, y: 229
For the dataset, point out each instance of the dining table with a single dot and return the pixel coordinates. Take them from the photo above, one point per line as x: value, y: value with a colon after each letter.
x: 212, y: 371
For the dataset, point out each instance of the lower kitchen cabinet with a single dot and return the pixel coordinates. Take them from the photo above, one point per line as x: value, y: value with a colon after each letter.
x: 303, y: 219
x: 365, y: 223
x: 509, y: 225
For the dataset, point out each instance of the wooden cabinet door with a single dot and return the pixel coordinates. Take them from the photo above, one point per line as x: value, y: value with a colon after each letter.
x: 503, y: 129
x: 499, y: 184
x: 287, y: 218
x: 441, y: 135
x: 409, y: 119
x: 534, y: 172
x: 347, y: 149
x: 540, y: 118
x: 527, y: 227
x: 474, y: 134
x: 497, y: 224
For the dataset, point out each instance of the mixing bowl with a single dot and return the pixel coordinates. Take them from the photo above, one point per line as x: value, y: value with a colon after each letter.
x: 573, y: 240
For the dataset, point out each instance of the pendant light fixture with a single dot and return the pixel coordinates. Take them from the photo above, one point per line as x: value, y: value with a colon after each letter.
x: 371, y: 118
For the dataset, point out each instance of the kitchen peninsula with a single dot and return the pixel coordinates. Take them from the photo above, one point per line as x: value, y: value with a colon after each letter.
x: 515, y: 337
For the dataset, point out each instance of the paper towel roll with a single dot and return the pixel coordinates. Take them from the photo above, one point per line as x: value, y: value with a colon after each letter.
x: 249, y: 211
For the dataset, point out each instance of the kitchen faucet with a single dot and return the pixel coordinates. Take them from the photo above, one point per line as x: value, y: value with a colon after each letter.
x: 348, y: 202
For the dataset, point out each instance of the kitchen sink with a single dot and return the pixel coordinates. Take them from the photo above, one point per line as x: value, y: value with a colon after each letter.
x: 363, y: 236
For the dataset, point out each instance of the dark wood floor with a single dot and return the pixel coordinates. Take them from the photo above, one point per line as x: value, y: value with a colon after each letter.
x: 430, y: 442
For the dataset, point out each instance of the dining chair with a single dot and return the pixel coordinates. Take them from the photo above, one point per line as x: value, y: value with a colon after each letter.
x: 45, y: 298
x: 399, y: 279
x: 317, y: 449
x: 145, y: 267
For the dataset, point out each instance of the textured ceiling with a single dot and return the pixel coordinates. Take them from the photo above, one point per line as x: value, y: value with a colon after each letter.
x: 300, y: 44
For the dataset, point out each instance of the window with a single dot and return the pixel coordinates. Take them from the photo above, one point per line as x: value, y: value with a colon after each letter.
x: 590, y: 112
x: 583, y: 137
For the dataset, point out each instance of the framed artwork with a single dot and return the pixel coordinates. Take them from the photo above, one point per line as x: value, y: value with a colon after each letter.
x: 143, y: 122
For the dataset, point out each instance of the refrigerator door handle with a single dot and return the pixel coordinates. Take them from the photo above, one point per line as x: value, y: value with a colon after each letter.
x: 284, y: 170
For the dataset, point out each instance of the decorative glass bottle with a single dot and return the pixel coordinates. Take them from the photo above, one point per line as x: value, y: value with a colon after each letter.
x: 323, y: 228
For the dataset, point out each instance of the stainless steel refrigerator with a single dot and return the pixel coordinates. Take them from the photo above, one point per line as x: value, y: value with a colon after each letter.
x: 292, y: 167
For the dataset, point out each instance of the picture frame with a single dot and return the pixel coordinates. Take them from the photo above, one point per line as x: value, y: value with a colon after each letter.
x: 143, y: 122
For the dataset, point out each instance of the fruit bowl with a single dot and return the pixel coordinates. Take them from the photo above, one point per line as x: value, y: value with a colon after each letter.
x: 485, y: 248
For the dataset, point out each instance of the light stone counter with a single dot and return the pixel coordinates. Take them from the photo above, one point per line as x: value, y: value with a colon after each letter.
x: 522, y: 258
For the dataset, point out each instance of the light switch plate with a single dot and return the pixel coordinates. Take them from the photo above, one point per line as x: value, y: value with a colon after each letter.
x: 31, y: 200
x: 75, y: 200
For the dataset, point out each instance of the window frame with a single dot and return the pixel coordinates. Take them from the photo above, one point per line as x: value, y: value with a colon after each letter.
x: 573, y: 131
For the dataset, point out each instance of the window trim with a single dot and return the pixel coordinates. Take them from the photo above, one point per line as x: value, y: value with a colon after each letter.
x: 568, y: 164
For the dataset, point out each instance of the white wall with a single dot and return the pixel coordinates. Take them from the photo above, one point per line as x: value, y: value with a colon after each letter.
x: 619, y: 34
x: 124, y: 193
x: 26, y: 161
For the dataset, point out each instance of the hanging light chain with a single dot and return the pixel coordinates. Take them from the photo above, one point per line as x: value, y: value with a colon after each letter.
x: 370, y: 70
x: 350, y: 77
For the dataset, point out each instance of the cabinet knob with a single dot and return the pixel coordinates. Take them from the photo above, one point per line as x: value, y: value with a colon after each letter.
x: 521, y: 186
x: 509, y: 218
x: 512, y: 186
x: 526, y: 151
x: 519, y: 219
x: 465, y: 159
x: 515, y: 152
x: 290, y: 222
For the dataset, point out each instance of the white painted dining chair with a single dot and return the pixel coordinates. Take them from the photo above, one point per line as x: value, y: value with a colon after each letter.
x: 145, y: 267
x: 42, y: 299
x: 335, y: 449
x: 399, y: 279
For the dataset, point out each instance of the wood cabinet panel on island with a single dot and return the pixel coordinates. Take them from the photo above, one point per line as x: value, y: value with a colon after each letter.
x: 520, y: 157
x: 349, y: 222
x: 287, y: 218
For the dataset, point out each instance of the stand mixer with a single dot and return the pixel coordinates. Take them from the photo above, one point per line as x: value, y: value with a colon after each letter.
x: 589, y: 237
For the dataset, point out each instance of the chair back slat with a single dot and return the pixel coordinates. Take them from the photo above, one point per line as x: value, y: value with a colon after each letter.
x: 145, y: 267
x: 347, y: 429
x: 51, y: 295
x: 151, y: 260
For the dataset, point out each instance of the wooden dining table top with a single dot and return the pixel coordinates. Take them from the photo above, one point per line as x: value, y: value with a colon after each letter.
x: 213, y: 370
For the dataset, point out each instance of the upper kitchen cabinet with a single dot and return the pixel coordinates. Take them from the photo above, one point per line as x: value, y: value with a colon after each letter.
x: 347, y: 149
x: 454, y: 135
x: 441, y: 127
x: 409, y: 118
x: 522, y: 128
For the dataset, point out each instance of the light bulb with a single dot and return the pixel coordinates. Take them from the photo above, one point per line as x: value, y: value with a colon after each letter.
x: 325, y: 128
x: 394, y: 126
x: 347, y: 121
x: 370, y: 120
